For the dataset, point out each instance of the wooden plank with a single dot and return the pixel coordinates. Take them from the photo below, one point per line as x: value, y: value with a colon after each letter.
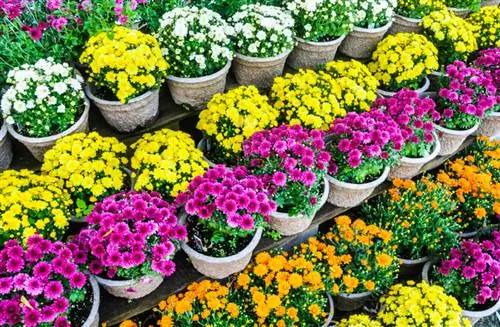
x: 114, y: 310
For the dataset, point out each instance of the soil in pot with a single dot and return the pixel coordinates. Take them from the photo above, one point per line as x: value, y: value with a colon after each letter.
x: 80, y: 311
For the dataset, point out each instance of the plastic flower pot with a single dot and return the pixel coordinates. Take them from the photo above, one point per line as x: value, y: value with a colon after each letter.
x: 402, y: 24
x: 451, y: 139
x: 473, y: 316
x: 131, y: 289
x: 5, y: 148
x: 347, y: 195
x: 411, y: 268
x: 460, y: 12
x: 361, y: 42
x: 39, y: 145
x: 434, y: 78
x: 486, y: 3
x: 137, y: 112
x: 308, y: 54
x: 420, y: 91
x: 93, y: 318
x: 410, y: 167
x: 260, y: 72
x: 205, y: 146
x: 351, y: 302
x: 490, y: 126
x: 196, y: 92
x: 219, y: 268
x: 330, y: 313
x: 288, y: 225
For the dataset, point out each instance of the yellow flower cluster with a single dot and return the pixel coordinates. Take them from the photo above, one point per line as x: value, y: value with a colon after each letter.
x: 418, y: 8
x: 166, y: 161
x: 486, y: 27
x: 359, y: 320
x: 420, y: 305
x: 233, y: 117
x: 125, y: 62
x: 453, y: 36
x: 357, y: 83
x: 90, y: 167
x: 307, y: 98
x: 403, y: 60
x: 30, y: 203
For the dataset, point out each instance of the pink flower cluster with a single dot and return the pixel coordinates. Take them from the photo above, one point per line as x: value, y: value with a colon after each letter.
x: 489, y: 60
x: 293, y: 154
x: 226, y: 197
x: 413, y: 114
x: 364, y: 136
x: 36, y: 282
x: 11, y: 8
x: 129, y: 230
x: 479, y: 263
x: 469, y: 91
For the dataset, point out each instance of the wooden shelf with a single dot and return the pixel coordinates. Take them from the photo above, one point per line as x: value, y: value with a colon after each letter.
x: 114, y: 310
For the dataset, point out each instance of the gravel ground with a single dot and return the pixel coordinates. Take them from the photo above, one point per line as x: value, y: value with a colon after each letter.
x: 491, y: 321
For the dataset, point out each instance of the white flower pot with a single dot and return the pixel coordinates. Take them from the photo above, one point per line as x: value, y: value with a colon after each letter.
x: 434, y: 78
x: 410, y: 167
x: 351, y: 302
x: 460, y: 12
x: 260, y: 72
x: 196, y: 92
x: 287, y: 225
x: 411, y: 268
x: 219, y: 268
x: 451, y: 139
x: 490, y: 126
x: 420, y: 91
x: 93, y: 318
x: 347, y: 195
x: 39, y: 145
x: 5, y: 148
x: 331, y: 311
x: 402, y: 24
x: 137, y: 112
x: 361, y: 42
x: 131, y: 289
x: 308, y: 54
x: 486, y: 3
x: 204, y: 146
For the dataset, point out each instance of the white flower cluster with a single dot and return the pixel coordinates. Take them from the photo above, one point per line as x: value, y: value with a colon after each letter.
x: 262, y: 31
x: 323, y: 20
x: 375, y: 13
x: 195, y: 41
x: 43, y: 99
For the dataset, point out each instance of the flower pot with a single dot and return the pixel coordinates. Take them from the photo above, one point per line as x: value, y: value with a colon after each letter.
x: 361, y: 42
x: 420, y: 91
x: 434, y: 78
x: 5, y: 148
x: 490, y: 126
x: 451, y: 139
x: 39, y: 145
x: 410, y: 167
x: 411, y: 268
x: 258, y: 71
x: 219, y: 268
x: 131, y: 289
x: 460, y: 12
x: 402, y: 24
x: 351, y: 302
x: 205, y: 146
x: 196, y: 92
x: 308, y: 54
x: 138, y: 112
x: 331, y: 311
x: 473, y: 316
x: 467, y: 235
x: 348, y: 195
x: 486, y: 3
x: 287, y: 225
x: 93, y: 318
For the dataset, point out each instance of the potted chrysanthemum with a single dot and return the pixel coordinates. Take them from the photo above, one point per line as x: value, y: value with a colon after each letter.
x: 415, y: 116
x: 43, y: 103
x: 320, y: 27
x: 125, y: 84
x: 373, y: 20
x: 462, y: 8
x: 466, y: 95
x: 363, y: 148
x: 485, y: 25
x: 263, y: 40
x: 42, y: 285
x: 409, y: 13
x: 403, y: 61
x: 293, y: 161
x: 130, y: 242
x: 196, y: 42
x: 225, y: 213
